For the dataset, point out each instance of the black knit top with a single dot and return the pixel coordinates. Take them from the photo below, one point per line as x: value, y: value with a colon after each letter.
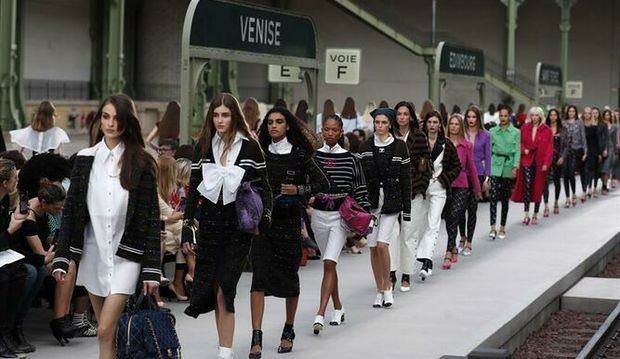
x: 296, y: 168
x: 388, y: 168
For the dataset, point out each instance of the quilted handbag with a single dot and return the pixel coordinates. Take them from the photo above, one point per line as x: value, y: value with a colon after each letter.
x: 146, y: 332
x: 355, y: 218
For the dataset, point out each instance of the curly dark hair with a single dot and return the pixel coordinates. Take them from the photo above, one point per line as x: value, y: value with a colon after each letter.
x: 52, y: 166
x: 295, y: 134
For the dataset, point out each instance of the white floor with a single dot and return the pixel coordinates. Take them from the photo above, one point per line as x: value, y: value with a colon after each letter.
x: 452, y: 313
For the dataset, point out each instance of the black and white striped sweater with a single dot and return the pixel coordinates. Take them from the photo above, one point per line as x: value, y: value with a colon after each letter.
x: 346, y: 177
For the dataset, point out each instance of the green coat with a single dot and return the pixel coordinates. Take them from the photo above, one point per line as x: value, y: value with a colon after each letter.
x: 505, y: 150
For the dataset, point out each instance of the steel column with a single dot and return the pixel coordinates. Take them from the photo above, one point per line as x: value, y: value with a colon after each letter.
x: 12, y: 113
x: 114, y: 56
x: 565, y: 7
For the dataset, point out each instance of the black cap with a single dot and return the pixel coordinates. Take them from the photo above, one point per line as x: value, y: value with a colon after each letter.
x: 386, y: 111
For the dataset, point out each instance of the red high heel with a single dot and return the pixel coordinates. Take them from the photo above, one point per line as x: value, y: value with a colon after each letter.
x: 546, y: 212
x: 526, y: 221
x: 534, y: 220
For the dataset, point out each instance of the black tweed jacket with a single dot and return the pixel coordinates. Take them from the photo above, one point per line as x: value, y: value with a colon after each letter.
x: 140, y: 242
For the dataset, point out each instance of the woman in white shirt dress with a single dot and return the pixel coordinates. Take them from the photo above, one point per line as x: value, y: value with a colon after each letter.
x: 111, y: 221
x: 42, y: 135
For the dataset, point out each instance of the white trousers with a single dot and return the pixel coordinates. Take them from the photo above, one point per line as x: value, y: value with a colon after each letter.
x: 430, y: 210
x: 407, y: 237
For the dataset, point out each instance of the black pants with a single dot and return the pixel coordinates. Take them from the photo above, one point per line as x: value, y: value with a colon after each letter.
x: 556, y: 177
x: 528, y: 184
x: 573, y: 164
x: 12, y: 281
x: 501, y: 189
x: 470, y: 216
x: 459, y: 202
x: 590, y: 172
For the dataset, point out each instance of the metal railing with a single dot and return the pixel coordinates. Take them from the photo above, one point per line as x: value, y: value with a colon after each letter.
x: 57, y: 90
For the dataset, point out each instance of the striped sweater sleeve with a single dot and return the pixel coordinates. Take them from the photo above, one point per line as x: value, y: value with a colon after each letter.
x: 360, y: 192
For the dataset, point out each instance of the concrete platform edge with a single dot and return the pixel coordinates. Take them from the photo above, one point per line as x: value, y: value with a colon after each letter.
x: 512, y: 334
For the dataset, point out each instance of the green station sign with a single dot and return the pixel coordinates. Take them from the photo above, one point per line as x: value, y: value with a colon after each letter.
x: 459, y: 60
x: 252, y: 29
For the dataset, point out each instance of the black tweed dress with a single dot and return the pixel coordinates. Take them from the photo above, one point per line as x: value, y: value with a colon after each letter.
x: 276, y: 254
x: 221, y: 249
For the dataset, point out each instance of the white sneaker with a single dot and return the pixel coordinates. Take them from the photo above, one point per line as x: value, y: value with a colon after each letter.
x: 317, y: 327
x: 338, y: 317
x: 378, y: 300
x: 388, y: 299
x: 502, y: 235
x: 225, y: 353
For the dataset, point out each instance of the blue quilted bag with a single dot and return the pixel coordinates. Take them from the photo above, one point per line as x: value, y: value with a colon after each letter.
x: 146, y: 331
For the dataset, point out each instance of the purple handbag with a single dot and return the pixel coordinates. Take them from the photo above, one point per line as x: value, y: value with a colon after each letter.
x: 249, y: 205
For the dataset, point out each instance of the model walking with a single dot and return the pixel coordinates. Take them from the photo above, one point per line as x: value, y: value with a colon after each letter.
x: 505, y: 156
x: 386, y: 164
x: 276, y: 253
x: 576, y: 154
x: 536, y: 158
x: 560, y: 153
x: 225, y: 157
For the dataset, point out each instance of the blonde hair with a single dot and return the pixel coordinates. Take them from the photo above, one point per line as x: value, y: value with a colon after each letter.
x: 459, y: 118
x: 184, y: 169
x: 539, y: 111
x: 166, y: 177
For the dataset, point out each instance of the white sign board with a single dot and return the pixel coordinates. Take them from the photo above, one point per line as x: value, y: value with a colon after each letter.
x: 574, y: 89
x: 342, y: 66
x: 280, y: 73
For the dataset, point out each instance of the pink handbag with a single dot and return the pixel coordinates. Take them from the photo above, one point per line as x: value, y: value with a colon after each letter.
x: 355, y: 218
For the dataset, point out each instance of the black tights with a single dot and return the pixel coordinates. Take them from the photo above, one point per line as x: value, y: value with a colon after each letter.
x: 501, y: 187
x: 572, y: 165
x: 557, y: 184
x: 470, y: 216
x: 528, y: 179
x: 459, y: 202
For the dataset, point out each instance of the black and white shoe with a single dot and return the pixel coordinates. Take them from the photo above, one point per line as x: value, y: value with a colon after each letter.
x: 427, y: 269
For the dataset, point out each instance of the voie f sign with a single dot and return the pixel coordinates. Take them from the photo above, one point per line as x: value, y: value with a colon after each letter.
x: 342, y: 66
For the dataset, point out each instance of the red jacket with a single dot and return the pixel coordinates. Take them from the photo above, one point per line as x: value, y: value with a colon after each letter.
x: 540, y: 154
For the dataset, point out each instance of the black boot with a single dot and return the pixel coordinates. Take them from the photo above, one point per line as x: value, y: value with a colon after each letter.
x: 288, y: 334
x: 257, y: 339
x: 62, y: 329
x: 393, y: 278
x: 20, y: 341
x: 5, y: 350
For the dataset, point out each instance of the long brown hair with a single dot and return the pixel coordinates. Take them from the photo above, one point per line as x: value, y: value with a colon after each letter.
x: 476, y: 111
x: 328, y: 108
x: 348, y: 111
x: 43, y: 120
x: 169, y: 127
x: 134, y: 156
x: 251, y: 113
x: 427, y: 107
x: 237, y: 124
x: 166, y: 177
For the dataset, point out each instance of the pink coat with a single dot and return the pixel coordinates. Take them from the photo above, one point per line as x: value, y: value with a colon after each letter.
x: 465, y: 151
x: 540, y: 154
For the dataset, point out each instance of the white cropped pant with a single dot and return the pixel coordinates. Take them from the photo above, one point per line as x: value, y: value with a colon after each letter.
x: 329, y: 233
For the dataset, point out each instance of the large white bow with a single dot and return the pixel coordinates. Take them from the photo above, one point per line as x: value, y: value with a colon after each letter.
x: 217, y: 178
